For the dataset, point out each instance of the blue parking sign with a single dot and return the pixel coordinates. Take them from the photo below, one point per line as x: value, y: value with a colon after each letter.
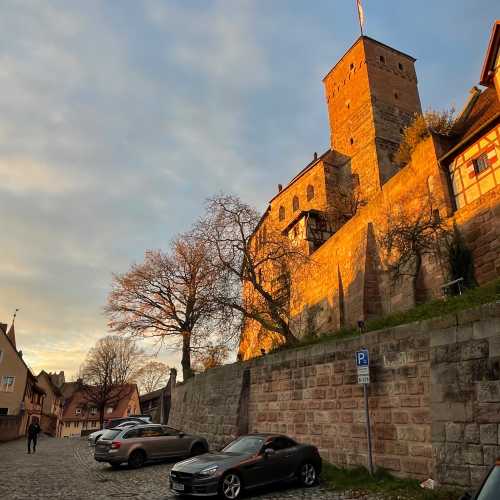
x: 362, y: 358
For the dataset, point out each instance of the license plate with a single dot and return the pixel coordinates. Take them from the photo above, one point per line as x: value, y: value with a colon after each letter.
x: 177, y: 486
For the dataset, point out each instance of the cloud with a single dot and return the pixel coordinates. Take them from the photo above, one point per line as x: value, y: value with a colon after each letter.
x: 24, y: 175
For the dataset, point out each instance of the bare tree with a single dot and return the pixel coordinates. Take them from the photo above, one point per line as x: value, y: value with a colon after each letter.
x: 212, y: 357
x: 409, y: 236
x: 107, y: 372
x: 168, y: 296
x: 256, y: 263
x: 345, y: 201
x: 151, y: 376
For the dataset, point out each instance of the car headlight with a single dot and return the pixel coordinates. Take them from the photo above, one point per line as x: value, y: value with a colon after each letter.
x: 209, y: 471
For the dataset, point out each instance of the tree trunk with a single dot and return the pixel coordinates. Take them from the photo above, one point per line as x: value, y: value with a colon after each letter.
x: 416, y: 276
x: 101, y: 416
x: 187, y: 371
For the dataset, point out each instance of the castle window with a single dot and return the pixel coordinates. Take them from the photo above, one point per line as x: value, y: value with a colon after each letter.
x: 295, y: 203
x: 355, y: 180
x: 382, y: 59
x: 310, y: 192
x: 352, y: 66
x: 480, y: 163
x: 396, y: 95
x: 351, y: 140
x: 282, y: 213
x: 400, y: 66
x: 401, y: 131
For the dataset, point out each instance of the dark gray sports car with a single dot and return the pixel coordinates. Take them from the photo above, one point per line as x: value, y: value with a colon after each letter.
x: 248, y: 462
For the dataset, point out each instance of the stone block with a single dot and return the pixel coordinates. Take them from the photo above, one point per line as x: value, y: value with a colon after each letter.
x: 411, y: 433
x: 453, y: 453
x: 438, y: 432
x: 486, y: 328
x: 400, y: 417
x: 471, y: 434
x: 388, y: 463
x: 488, y: 391
x: 489, y: 433
x: 415, y: 466
x: 454, y: 432
x: 454, y: 475
x: 475, y: 349
x: 473, y: 454
x: 443, y: 337
x: 445, y: 412
x: 495, y: 346
x: 464, y: 333
x: 477, y: 474
x: 491, y: 453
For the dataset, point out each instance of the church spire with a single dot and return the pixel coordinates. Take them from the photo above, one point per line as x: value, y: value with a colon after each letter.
x: 12, y: 332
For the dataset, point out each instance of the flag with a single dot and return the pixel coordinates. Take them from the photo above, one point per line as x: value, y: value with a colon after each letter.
x: 361, y: 15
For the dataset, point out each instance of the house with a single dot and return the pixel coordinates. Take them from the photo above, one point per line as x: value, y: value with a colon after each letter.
x: 81, y: 417
x: 53, y: 404
x: 21, y: 398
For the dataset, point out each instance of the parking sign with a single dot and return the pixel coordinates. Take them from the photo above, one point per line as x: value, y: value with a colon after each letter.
x: 362, y: 358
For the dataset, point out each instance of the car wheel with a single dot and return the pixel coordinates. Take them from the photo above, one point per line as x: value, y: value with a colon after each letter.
x: 308, y: 476
x: 230, y: 486
x: 136, y: 459
x: 197, y: 449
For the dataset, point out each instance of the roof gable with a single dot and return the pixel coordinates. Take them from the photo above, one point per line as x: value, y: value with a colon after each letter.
x: 491, y: 55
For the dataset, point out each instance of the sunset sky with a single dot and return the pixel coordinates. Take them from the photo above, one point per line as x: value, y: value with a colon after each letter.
x: 117, y: 120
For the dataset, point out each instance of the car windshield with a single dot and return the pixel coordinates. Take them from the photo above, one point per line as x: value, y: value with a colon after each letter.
x: 248, y: 444
x: 111, y: 433
x: 492, y: 486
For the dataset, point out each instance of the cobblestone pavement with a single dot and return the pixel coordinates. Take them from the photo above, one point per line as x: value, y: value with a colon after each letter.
x: 66, y: 469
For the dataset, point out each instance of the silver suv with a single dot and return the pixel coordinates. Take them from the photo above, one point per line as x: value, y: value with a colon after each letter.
x: 144, y: 443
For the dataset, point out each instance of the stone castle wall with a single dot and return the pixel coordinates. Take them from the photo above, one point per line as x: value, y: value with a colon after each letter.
x: 434, y: 398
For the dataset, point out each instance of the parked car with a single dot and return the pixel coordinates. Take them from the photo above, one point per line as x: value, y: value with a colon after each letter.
x: 146, y: 442
x: 248, y: 462
x: 113, y: 422
x: 490, y: 488
x: 94, y: 436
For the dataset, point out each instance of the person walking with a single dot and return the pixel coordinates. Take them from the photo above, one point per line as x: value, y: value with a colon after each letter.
x: 33, y: 431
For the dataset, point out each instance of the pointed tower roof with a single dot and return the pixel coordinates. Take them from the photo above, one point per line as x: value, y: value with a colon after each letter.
x: 12, y: 334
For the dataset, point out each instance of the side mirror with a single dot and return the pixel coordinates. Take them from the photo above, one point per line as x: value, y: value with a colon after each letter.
x: 181, y: 434
x: 269, y: 452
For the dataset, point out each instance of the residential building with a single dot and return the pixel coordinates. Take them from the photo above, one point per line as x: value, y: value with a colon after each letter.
x: 53, y: 405
x: 81, y: 417
x: 21, y: 398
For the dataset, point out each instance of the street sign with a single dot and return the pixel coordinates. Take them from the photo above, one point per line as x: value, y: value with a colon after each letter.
x: 362, y: 358
x: 363, y: 368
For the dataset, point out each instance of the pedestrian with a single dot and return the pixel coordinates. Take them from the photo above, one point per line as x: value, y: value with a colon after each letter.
x: 33, y: 431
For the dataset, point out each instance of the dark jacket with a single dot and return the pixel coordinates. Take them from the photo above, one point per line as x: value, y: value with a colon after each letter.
x: 33, y: 430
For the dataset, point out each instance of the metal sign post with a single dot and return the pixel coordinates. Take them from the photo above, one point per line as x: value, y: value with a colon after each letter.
x: 363, y: 366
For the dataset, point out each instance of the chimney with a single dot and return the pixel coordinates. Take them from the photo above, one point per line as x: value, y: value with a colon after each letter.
x: 280, y: 187
x: 315, y: 156
x: 20, y: 353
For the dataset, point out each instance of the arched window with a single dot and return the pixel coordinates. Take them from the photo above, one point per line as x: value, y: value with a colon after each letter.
x: 295, y: 203
x: 310, y: 192
x: 282, y: 213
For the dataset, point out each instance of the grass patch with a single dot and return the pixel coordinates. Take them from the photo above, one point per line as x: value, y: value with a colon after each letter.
x: 469, y: 299
x: 381, y: 483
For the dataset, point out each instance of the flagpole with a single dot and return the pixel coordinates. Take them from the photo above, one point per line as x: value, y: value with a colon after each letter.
x: 359, y: 17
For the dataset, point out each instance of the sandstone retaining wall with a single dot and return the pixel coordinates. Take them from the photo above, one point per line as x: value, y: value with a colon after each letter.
x: 434, y: 398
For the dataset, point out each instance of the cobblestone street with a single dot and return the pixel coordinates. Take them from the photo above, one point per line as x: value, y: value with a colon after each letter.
x: 65, y: 469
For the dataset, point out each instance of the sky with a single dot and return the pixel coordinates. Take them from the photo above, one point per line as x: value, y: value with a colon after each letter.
x: 118, y: 119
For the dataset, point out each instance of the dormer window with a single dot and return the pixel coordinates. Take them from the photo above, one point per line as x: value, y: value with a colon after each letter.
x: 295, y: 203
x: 78, y: 411
x: 400, y: 66
x: 382, y: 59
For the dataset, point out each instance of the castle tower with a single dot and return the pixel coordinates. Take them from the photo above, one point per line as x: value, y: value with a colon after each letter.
x: 371, y: 95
